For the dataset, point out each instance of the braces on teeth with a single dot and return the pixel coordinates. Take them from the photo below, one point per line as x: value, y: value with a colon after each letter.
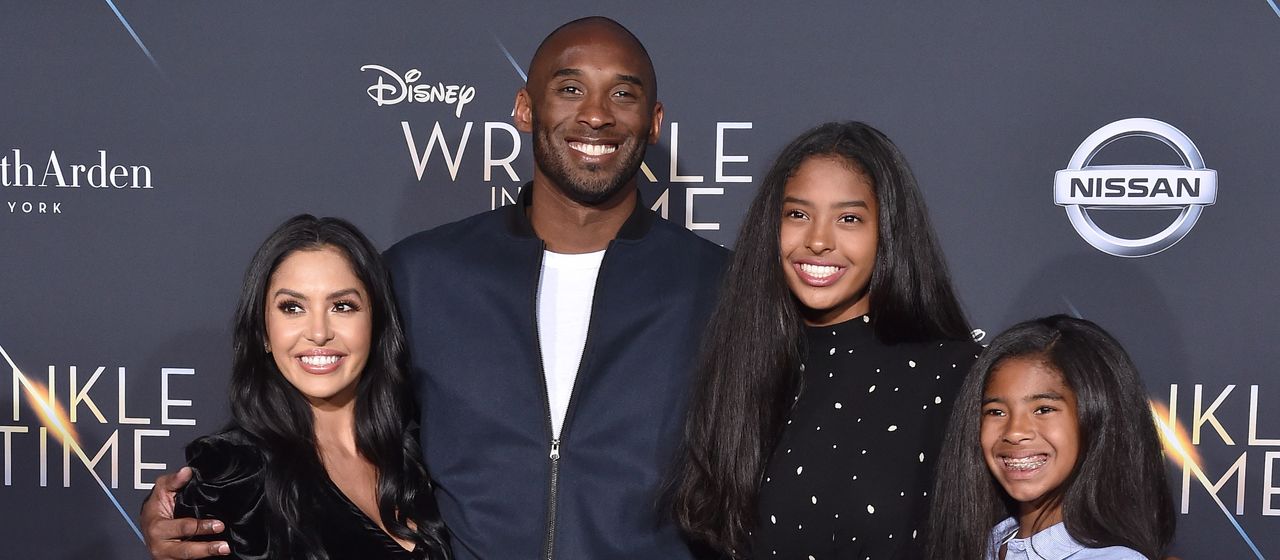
x: 1025, y: 463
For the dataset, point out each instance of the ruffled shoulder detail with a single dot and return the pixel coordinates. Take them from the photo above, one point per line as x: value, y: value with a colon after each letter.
x: 227, y: 484
x: 228, y: 475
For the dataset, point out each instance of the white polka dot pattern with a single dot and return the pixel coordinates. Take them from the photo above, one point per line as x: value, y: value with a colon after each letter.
x: 838, y: 487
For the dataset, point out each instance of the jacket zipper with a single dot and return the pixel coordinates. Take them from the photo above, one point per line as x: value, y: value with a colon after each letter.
x: 548, y: 547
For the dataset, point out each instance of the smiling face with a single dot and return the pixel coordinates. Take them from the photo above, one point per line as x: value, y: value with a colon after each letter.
x: 589, y: 104
x: 319, y: 326
x: 1030, y: 436
x: 828, y: 239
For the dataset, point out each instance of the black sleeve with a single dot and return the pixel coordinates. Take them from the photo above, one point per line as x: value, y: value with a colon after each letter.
x: 227, y: 485
x: 950, y: 363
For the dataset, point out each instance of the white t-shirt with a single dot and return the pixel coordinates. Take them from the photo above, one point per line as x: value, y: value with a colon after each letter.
x: 565, y: 290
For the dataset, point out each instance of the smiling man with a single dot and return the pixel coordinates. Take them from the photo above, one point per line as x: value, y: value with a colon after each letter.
x: 591, y: 106
x: 595, y: 95
x: 552, y: 341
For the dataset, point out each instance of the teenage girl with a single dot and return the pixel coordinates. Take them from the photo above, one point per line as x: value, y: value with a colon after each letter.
x: 829, y: 364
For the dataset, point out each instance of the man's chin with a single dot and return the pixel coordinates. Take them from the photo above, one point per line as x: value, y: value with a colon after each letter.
x: 594, y: 189
x: 593, y: 197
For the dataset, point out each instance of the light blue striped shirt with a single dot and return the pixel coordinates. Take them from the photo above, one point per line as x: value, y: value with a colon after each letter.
x: 1052, y: 543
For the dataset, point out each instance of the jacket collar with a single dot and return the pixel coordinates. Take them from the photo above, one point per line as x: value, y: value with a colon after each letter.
x: 636, y: 226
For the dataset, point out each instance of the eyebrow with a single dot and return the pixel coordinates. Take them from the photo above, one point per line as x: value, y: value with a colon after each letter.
x: 1048, y: 396
x: 844, y: 204
x: 574, y: 72
x: 346, y: 292
x: 634, y: 80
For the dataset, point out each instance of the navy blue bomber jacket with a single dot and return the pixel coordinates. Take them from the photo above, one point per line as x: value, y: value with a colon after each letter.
x: 468, y: 296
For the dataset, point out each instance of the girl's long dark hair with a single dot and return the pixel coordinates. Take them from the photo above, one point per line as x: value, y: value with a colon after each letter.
x: 1118, y: 494
x: 748, y: 365
x: 280, y: 420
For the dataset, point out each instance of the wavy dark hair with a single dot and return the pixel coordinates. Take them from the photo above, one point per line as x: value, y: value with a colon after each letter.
x: 1118, y: 493
x: 748, y: 369
x: 279, y: 418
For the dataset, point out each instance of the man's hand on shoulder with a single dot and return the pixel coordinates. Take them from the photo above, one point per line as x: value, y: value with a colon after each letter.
x: 168, y: 538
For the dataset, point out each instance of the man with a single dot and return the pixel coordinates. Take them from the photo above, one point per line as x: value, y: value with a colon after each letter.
x: 552, y: 341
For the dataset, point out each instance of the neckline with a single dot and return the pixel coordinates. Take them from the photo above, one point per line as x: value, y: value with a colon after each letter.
x: 572, y: 261
x: 865, y: 318
x: 859, y: 326
x: 1053, y: 538
x: 369, y: 523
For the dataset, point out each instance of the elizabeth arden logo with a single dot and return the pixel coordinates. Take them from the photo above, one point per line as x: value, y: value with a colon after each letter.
x: 393, y: 88
x: 30, y: 180
x: 15, y: 171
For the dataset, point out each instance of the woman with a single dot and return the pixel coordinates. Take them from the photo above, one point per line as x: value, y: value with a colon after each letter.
x: 828, y: 364
x: 1052, y: 443
x: 321, y: 459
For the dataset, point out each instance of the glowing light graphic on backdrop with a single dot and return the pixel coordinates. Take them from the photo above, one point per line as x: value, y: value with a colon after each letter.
x: 134, y: 34
x: 1178, y: 449
x: 511, y: 59
x: 54, y: 417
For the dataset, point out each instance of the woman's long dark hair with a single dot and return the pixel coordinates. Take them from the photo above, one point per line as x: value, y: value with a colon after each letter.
x: 1118, y: 494
x: 748, y: 365
x: 266, y: 406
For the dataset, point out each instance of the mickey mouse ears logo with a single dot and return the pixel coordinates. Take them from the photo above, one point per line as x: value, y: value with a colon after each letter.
x: 1188, y: 187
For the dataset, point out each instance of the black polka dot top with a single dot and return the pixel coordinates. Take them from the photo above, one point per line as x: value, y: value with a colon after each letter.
x: 851, y: 475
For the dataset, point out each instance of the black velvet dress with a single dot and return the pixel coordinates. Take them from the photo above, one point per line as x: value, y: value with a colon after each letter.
x: 852, y: 471
x: 228, y: 485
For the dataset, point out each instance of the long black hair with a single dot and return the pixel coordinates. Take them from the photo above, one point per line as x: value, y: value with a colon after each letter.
x: 1118, y: 493
x: 749, y: 362
x: 280, y: 420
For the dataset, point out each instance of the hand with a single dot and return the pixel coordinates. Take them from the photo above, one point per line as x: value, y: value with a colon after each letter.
x: 168, y: 538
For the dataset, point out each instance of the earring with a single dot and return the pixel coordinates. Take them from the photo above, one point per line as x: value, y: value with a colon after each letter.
x: 266, y: 346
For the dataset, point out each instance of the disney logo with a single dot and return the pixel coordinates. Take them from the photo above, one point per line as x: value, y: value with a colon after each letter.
x: 392, y: 88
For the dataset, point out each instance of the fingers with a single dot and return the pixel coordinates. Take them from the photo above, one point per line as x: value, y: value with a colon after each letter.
x: 174, y: 482
x: 219, y: 549
x: 174, y: 550
x: 207, y: 526
x: 159, y: 503
x: 181, y: 529
x: 168, y: 538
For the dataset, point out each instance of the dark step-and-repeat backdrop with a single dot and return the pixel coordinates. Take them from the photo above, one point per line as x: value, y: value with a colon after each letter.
x: 147, y: 147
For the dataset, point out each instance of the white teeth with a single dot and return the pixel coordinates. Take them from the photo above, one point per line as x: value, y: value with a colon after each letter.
x: 319, y: 361
x: 818, y: 271
x: 593, y: 149
x: 1025, y: 463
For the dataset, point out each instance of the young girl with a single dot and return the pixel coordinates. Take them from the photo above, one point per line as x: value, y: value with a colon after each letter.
x: 1053, y: 434
x: 828, y: 365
